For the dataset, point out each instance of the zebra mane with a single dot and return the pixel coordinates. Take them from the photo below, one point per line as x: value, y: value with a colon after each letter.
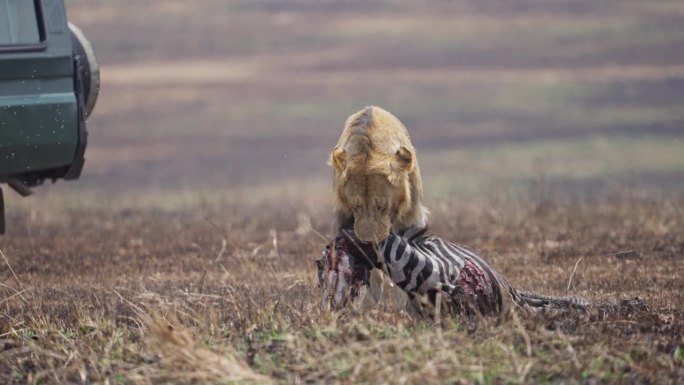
x: 413, y: 232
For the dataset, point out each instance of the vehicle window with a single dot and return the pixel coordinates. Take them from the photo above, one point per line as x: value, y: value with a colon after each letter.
x: 18, y: 22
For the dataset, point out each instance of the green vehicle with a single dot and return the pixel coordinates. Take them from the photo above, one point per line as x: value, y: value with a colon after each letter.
x: 49, y: 82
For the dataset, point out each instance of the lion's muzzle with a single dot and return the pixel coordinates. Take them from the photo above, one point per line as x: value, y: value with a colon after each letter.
x: 371, y: 229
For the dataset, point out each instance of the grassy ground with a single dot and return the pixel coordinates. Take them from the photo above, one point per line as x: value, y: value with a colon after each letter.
x: 549, y: 135
x: 226, y: 293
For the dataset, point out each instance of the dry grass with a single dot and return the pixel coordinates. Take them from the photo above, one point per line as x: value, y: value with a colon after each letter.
x: 227, y: 294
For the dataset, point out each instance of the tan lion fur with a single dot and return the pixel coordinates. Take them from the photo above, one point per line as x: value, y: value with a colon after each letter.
x: 376, y: 181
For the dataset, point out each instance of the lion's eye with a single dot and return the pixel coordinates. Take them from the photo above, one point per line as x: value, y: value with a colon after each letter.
x: 382, y: 209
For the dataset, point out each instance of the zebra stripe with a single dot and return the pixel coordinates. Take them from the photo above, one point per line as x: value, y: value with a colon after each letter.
x: 422, y: 264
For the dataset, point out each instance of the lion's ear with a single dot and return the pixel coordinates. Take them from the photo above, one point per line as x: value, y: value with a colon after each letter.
x: 403, y: 159
x: 338, y: 159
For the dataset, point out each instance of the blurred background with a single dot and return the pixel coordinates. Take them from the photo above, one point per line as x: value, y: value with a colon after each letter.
x: 207, y: 99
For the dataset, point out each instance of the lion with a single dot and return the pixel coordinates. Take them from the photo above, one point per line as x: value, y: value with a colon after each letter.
x: 376, y: 182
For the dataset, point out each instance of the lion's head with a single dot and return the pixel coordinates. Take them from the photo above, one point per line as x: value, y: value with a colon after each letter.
x: 377, y: 195
x: 377, y: 182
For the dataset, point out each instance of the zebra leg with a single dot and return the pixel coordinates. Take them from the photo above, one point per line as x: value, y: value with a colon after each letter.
x: 418, y: 302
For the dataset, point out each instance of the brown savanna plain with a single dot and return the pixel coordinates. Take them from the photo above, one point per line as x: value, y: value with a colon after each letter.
x: 550, y: 139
